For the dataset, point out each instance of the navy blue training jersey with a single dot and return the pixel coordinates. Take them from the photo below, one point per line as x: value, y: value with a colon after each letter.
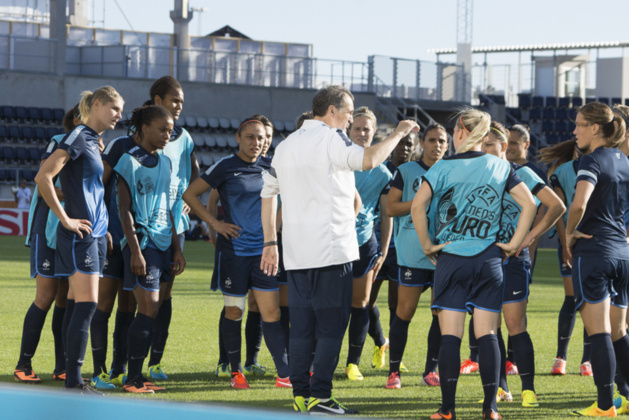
x: 608, y: 170
x: 239, y: 184
x: 112, y: 154
x: 537, y: 171
x: 82, y: 179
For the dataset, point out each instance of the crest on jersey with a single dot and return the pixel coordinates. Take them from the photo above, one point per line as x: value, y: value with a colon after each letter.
x: 446, y: 210
x: 228, y: 283
x: 408, y: 274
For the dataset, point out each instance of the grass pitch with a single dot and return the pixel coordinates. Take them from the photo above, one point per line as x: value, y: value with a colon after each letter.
x: 192, y: 350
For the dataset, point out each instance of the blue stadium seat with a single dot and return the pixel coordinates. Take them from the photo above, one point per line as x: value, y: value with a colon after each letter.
x: 577, y: 101
x: 562, y: 114
x: 21, y: 113
x: 202, y: 122
x: 21, y: 154
x: 28, y: 133
x: 51, y: 132
x: 538, y: 101
x: 29, y: 174
x: 40, y: 134
x: 524, y: 100
x: 8, y: 113
x: 34, y: 154
x: 535, y: 114
x: 552, y: 138
x: 224, y: 123
x: 573, y: 114
x: 213, y: 123
x: 564, y: 102
x: 603, y: 100
x: 15, y: 133
x: 290, y: 126
x: 4, y: 175
x: 561, y: 126
x: 235, y: 123
x: 549, y: 113
x: 616, y: 101
x: 58, y: 113
x: 191, y: 122
x: 34, y: 113
x: 627, y: 102
x: 548, y: 126
x: 4, y: 132
x: 47, y: 114
x: 551, y: 102
x: 279, y: 125
x: 566, y: 136
x: 589, y: 100
x: 8, y: 154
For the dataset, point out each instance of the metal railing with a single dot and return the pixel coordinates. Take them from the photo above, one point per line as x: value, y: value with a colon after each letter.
x: 26, y: 53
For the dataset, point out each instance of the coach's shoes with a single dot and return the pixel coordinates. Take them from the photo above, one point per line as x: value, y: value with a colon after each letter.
x: 300, y: 405
x: 157, y: 372
x: 468, y: 367
x: 102, y: 381
x: 137, y: 386
x: 222, y: 370
x: 511, y: 368
x: 329, y: 407
x: 283, y: 382
x: 559, y: 367
x: 255, y: 370
x: 238, y: 381
x: 529, y: 399
x: 621, y: 404
x: 491, y: 414
x: 586, y: 369
x: 447, y: 415
x: 352, y: 372
x: 594, y: 411
x: 394, y: 382
x: 25, y: 374
x: 379, y: 355
x: 432, y: 379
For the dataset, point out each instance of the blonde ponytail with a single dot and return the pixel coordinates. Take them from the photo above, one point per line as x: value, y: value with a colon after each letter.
x: 476, y: 123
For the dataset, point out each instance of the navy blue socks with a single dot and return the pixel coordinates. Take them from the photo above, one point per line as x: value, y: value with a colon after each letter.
x: 98, y: 335
x: 565, y: 325
x: 489, y: 366
x: 604, y: 367
x: 397, y: 343
x: 274, y: 339
x: 233, y: 341
x: 449, y: 367
x: 31, y: 333
x: 375, y: 329
x: 253, y: 337
x: 76, y: 341
x: 160, y: 331
x: 57, y: 332
x: 358, y: 327
x: 121, y: 334
x: 138, y: 340
x: 525, y: 359
x: 434, y: 341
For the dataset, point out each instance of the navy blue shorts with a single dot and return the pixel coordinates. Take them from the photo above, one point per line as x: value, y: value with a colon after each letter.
x: 236, y: 274
x: 114, y: 264
x: 369, y: 253
x: 415, y: 277
x: 86, y: 255
x: 158, y: 269
x: 597, y: 278
x: 42, y: 257
x: 282, y: 277
x: 517, y: 277
x: 464, y: 283
x: 564, y: 269
x: 389, y: 269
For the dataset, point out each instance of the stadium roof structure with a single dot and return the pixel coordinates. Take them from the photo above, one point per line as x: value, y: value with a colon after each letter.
x: 538, y: 47
x: 228, y: 31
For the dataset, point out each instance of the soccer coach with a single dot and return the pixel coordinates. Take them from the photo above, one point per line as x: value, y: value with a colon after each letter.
x: 313, y: 171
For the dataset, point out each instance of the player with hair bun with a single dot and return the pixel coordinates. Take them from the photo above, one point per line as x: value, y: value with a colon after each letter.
x: 81, y: 235
x: 466, y: 190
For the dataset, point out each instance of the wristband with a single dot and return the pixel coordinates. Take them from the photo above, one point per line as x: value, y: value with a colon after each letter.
x: 270, y: 243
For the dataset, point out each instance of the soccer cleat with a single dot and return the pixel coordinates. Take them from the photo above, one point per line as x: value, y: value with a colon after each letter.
x: 102, y: 382
x: 331, y: 406
x: 157, y: 372
x: 511, y: 369
x: 59, y: 376
x: 238, y: 381
x: 300, y: 405
x: 84, y: 388
x: 118, y: 380
x: 503, y: 395
x: 594, y: 411
x: 255, y: 370
x: 379, y: 355
x: 352, y: 372
x: 432, y: 379
x: 529, y: 399
x: 559, y: 368
x: 491, y: 414
x: 222, y: 370
x: 25, y: 374
x: 283, y: 382
x: 394, y: 381
x: 450, y: 415
x: 621, y: 404
x: 150, y: 385
x: 586, y: 369
x: 468, y: 367
x: 137, y: 386
x: 403, y: 368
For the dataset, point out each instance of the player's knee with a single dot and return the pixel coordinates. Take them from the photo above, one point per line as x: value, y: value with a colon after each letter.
x: 234, y: 307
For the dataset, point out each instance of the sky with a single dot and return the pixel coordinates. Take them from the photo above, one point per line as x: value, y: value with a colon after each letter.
x: 353, y: 30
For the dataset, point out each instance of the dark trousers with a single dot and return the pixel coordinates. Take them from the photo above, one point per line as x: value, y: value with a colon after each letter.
x: 319, y: 302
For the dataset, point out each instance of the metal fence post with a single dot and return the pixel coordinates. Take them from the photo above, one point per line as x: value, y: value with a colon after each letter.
x: 417, y: 78
x: 370, y: 73
x: 394, y: 77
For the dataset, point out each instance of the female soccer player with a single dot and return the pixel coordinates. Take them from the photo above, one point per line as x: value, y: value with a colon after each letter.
x: 42, y: 238
x: 563, y: 179
x: 167, y: 92
x: 81, y: 235
x: 238, y: 179
x: 416, y: 271
x: 150, y: 239
x: 402, y: 153
x: 465, y: 191
x: 371, y: 187
x: 517, y: 268
x: 599, y: 250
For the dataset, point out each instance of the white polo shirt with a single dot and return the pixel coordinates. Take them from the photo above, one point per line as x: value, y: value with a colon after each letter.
x: 313, y: 171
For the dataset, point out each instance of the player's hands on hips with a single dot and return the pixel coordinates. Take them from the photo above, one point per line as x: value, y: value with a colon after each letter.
x: 527, y: 242
x: 179, y: 263
x: 79, y: 226
x: 508, y: 249
x: 185, y: 209
x: 432, y: 251
x: 270, y: 260
x: 227, y: 230
x: 572, y: 239
x: 138, y: 264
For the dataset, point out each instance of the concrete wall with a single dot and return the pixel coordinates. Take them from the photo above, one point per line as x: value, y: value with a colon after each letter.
x: 201, y: 99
